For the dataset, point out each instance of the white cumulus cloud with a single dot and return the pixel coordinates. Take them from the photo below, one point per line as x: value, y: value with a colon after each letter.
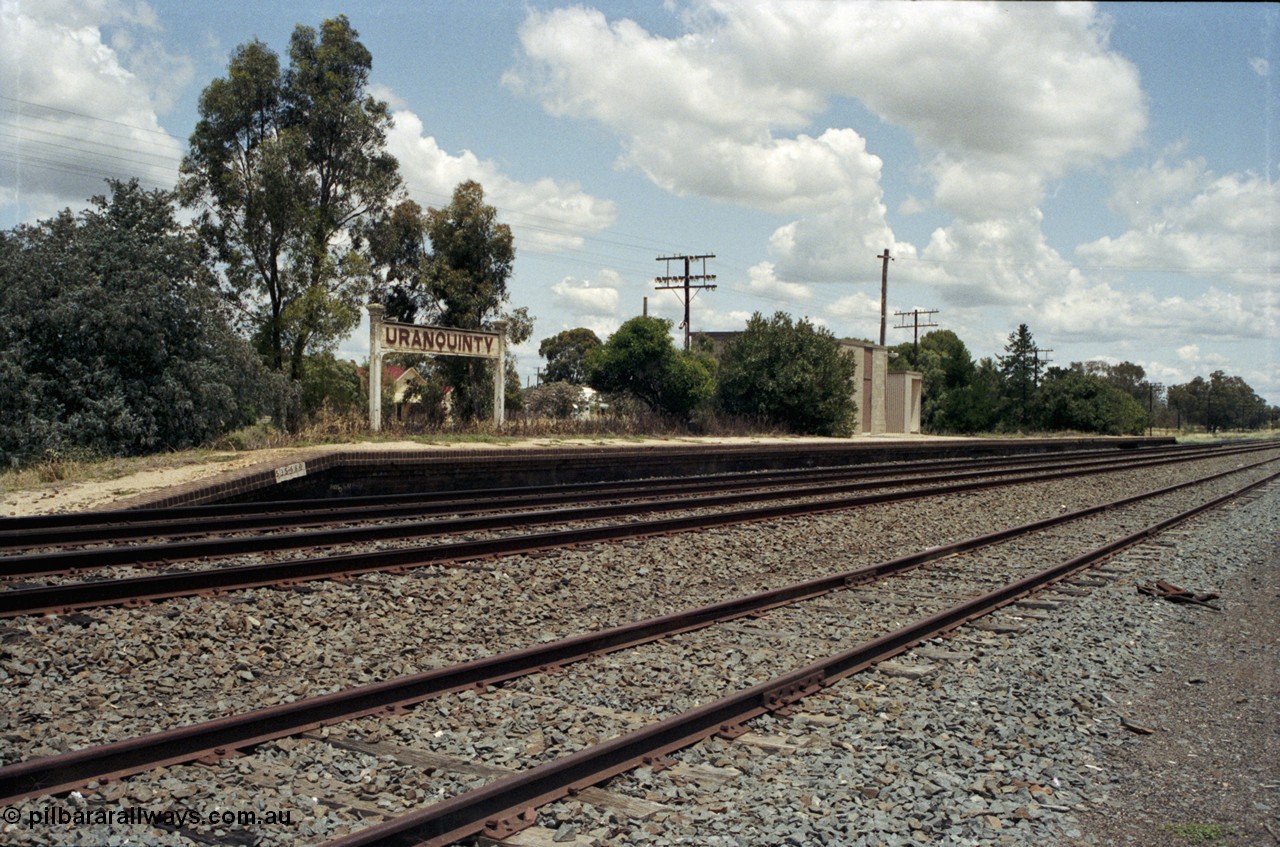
x: 1183, y: 217
x: 582, y: 297
x: 762, y: 279
x: 545, y: 214
x: 1000, y: 98
x: 77, y: 108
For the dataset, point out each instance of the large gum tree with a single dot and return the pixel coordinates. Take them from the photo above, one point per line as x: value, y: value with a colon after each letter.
x: 287, y: 165
x: 464, y: 281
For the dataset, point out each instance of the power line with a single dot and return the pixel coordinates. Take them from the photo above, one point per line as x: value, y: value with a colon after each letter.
x: 75, y: 168
x: 80, y: 115
x: 67, y: 132
x: 690, y: 289
x: 915, y: 314
x: 168, y: 165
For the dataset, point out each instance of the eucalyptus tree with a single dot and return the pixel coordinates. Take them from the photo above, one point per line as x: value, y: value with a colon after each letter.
x: 948, y: 369
x: 462, y: 282
x: 287, y: 164
x: 1071, y: 399
x: 566, y: 354
x: 641, y: 361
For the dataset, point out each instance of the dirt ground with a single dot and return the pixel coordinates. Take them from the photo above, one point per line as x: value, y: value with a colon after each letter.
x: 1210, y: 773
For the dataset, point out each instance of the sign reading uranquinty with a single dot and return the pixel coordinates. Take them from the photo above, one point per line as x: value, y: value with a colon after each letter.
x: 406, y: 338
x: 392, y: 337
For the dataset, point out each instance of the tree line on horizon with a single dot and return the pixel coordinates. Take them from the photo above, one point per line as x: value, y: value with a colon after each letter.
x: 1013, y: 392
x: 789, y: 376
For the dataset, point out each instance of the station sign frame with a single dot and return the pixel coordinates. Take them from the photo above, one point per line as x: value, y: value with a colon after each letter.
x: 395, y: 337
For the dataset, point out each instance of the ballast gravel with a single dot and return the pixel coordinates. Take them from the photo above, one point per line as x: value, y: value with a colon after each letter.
x: 1020, y: 739
x: 67, y: 681
x: 1008, y: 745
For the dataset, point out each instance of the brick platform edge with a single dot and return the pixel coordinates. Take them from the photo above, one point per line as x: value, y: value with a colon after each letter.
x: 257, y: 477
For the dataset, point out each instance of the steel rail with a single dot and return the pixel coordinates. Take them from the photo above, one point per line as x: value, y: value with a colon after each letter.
x: 87, y: 527
x: 219, y: 737
x: 41, y: 528
x: 12, y: 526
x: 69, y: 561
x: 508, y: 804
x: 135, y: 590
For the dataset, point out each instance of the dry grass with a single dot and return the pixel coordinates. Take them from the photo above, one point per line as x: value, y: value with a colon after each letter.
x: 327, y: 428
x: 335, y: 428
x: 1210, y: 438
x: 90, y: 469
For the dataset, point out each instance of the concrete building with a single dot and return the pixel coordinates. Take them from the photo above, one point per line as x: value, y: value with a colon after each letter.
x: 888, y: 402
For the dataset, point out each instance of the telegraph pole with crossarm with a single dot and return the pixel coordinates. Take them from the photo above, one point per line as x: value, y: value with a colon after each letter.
x: 1036, y: 363
x: 915, y: 313
x: 686, y: 283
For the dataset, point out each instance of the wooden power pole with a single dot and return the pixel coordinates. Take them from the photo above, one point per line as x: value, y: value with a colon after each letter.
x: 1035, y: 373
x: 685, y: 282
x: 915, y: 313
x: 884, y: 291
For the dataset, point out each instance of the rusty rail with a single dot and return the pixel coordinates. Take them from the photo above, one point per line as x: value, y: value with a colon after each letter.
x: 508, y: 803
x: 219, y: 737
x: 133, y: 590
x: 94, y: 528
x: 41, y: 527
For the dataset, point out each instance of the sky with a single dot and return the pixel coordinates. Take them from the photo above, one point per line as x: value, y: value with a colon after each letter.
x: 1105, y: 174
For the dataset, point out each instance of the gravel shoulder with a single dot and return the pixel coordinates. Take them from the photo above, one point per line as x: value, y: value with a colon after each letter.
x: 1211, y: 769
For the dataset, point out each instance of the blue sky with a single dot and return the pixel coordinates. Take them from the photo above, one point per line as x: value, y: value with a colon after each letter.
x: 1105, y: 174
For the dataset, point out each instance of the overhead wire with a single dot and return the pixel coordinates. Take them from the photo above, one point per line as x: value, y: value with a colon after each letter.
x: 166, y: 166
x: 97, y: 118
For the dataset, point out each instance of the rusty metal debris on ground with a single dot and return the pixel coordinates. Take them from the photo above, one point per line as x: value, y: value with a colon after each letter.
x: 1174, y: 594
x: 1136, y: 728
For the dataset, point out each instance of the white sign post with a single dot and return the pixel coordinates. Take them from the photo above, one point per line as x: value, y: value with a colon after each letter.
x: 393, y: 337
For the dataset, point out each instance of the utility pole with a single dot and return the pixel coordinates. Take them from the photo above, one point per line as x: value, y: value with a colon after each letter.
x: 884, y: 290
x: 685, y: 282
x: 1153, y: 388
x: 915, y: 343
x: 1035, y: 371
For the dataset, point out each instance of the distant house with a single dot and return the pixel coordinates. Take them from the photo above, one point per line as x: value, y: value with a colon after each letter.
x: 887, y: 402
x: 401, y: 381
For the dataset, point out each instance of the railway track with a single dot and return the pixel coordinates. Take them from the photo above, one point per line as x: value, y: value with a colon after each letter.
x: 62, y: 531
x: 846, y: 611
x: 583, y: 527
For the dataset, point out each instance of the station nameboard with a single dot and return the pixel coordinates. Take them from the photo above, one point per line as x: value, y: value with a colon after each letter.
x: 407, y: 338
x: 391, y: 337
